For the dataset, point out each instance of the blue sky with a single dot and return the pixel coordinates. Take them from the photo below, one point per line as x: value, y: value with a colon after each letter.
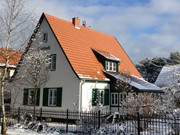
x: 145, y: 28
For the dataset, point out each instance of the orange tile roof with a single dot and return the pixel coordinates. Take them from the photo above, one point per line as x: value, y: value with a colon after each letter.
x: 14, y: 59
x: 78, y: 44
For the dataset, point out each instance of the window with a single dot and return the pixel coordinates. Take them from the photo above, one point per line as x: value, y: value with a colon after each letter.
x: 45, y: 37
x: 111, y: 66
x: 118, y: 98
x: 100, y: 97
x: 28, y: 97
x: 114, y: 98
x: 52, y: 97
x: 52, y: 65
x: 114, y: 66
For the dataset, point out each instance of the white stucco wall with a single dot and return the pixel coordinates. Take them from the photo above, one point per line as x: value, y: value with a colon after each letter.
x: 87, y: 88
x: 63, y: 77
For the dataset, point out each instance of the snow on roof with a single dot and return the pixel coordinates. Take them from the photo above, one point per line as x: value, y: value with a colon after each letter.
x: 168, y: 76
x: 138, y: 83
x: 143, y: 85
x: 107, y: 55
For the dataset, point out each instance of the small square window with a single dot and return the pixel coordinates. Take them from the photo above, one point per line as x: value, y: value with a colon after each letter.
x: 111, y: 66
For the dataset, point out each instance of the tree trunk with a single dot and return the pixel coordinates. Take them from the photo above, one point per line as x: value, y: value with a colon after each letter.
x: 2, y: 85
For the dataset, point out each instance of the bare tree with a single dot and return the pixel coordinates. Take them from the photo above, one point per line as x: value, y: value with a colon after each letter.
x: 143, y: 103
x: 35, y: 67
x: 13, y: 18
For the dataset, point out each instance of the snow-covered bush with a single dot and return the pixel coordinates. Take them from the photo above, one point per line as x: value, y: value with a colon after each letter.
x: 111, y: 129
x: 142, y: 103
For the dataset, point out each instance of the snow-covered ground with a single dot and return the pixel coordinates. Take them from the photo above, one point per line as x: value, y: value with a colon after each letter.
x: 155, y: 127
x: 21, y: 130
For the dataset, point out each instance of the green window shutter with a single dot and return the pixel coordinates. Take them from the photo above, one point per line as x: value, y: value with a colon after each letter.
x: 25, y: 97
x: 117, y: 66
x: 105, y: 64
x: 38, y: 97
x: 106, y: 97
x: 94, y: 97
x: 45, y: 97
x: 59, y: 97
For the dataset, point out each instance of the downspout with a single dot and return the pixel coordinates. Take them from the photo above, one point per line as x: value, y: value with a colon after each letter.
x: 80, y: 94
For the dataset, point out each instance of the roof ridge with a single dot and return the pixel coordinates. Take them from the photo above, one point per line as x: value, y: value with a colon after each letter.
x: 87, y: 28
x: 167, y: 66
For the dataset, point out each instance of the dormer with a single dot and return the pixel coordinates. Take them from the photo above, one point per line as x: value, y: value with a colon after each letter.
x: 109, y: 61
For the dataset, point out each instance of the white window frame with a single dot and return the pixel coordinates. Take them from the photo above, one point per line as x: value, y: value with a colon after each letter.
x: 52, y: 101
x: 114, y: 98
x: 114, y: 66
x: 51, y: 67
x: 111, y: 66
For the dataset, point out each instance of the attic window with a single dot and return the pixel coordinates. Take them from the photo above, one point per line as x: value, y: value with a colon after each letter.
x: 111, y: 66
x: 45, y: 37
x: 52, y: 65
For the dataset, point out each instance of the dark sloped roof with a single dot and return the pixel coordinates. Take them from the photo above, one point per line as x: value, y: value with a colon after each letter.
x: 138, y: 83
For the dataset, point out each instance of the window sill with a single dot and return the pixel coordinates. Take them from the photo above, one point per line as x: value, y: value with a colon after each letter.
x: 52, y: 69
x: 30, y: 105
x: 52, y: 106
x: 111, y: 71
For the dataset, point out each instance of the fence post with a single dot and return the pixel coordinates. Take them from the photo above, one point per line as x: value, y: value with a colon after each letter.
x: 67, y: 120
x: 40, y: 114
x: 138, y: 123
x: 99, y: 119
x: 94, y: 121
x: 19, y: 111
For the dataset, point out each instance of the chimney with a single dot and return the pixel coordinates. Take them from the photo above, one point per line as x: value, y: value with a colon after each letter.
x: 84, y: 23
x: 76, y: 22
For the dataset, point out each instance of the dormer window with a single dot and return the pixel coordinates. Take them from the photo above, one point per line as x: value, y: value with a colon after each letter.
x: 109, y: 61
x: 45, y: 37
x: 111, y: 66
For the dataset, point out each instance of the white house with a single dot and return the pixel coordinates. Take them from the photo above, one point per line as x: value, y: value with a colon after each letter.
x: 82, y: 61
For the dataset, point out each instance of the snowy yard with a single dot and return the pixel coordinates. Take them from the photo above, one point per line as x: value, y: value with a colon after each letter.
x: 23, y: 131
x: 125, y: 128
x: 124, y: 125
